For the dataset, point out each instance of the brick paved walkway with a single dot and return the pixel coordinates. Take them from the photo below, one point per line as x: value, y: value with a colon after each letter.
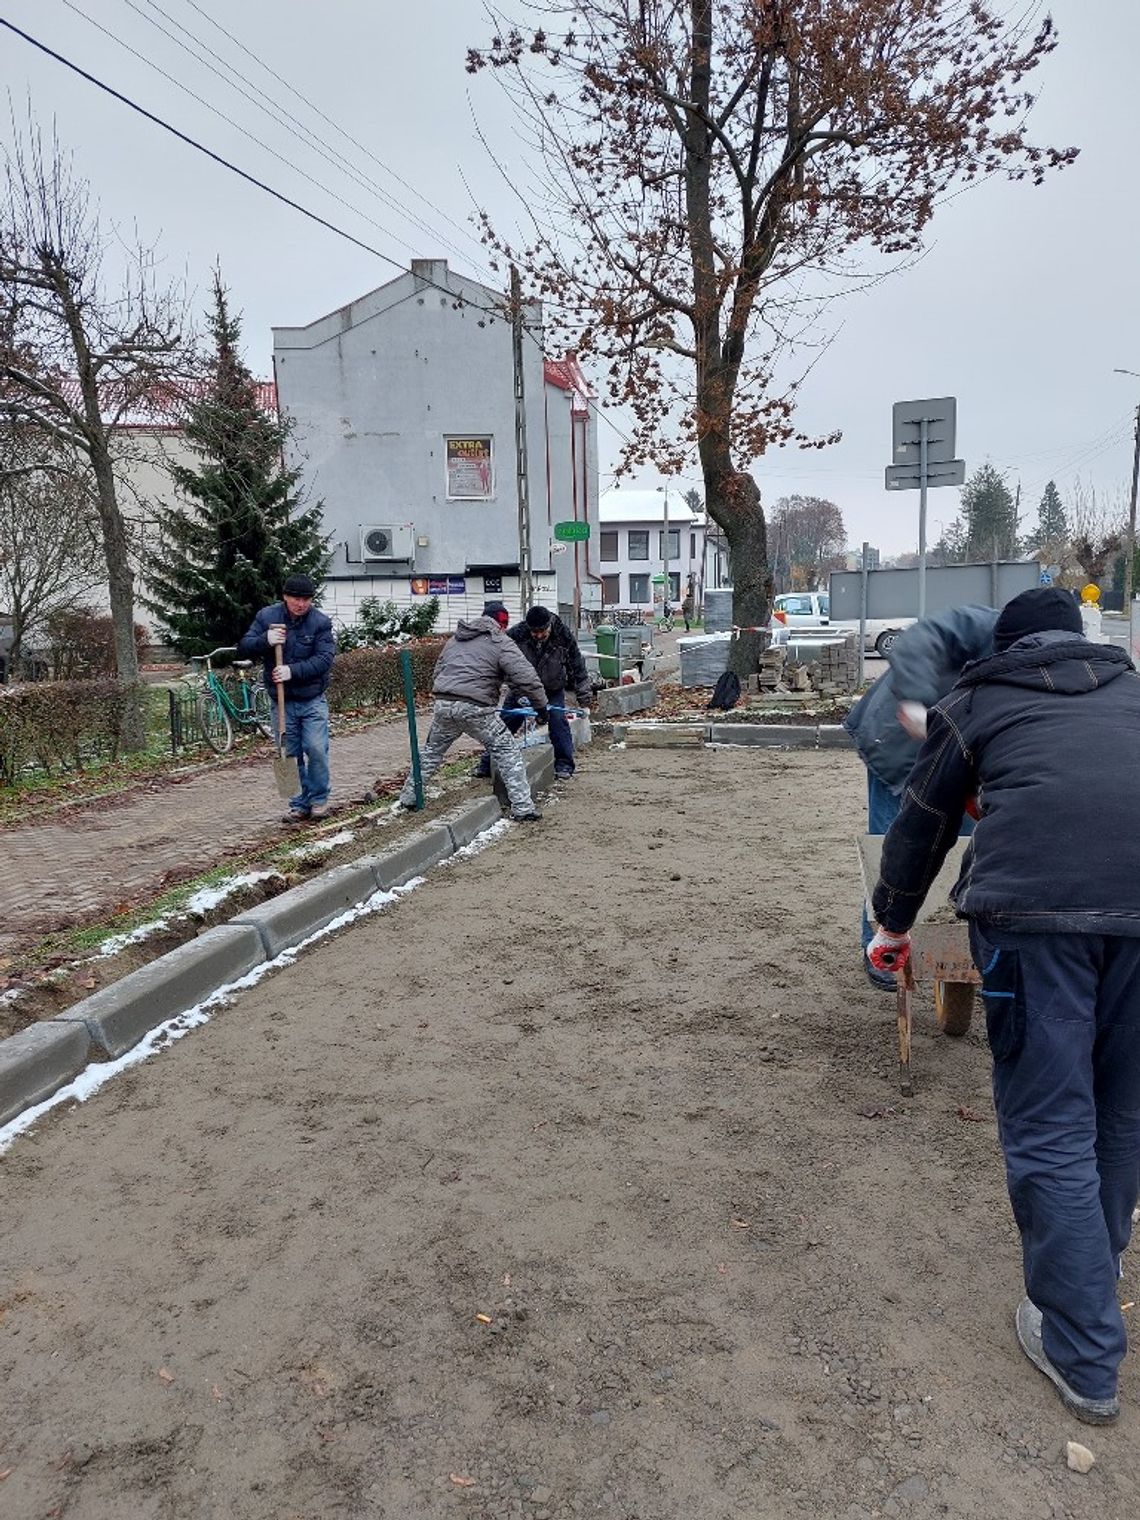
x: 56, y: 874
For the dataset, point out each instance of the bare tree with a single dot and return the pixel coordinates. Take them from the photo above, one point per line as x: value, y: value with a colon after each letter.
x: 810, y: 536
x: 79, y: 352
x: 709, y: 169
x: 1096, y: 534
x: 49, y: 543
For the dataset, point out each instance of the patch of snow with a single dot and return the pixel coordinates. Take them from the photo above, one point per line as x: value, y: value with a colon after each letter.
x: 481, y: 841
x: 93, y: 1077
x: 199, y: 902
x: 11, y: 995
x: 322, y: 846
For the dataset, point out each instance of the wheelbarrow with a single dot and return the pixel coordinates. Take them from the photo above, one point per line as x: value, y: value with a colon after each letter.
x: 940, y: 951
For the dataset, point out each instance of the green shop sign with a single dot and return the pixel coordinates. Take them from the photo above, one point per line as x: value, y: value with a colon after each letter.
x: 572, y: 532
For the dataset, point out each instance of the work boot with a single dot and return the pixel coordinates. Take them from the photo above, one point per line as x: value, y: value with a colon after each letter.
x: 534, y: 816
x: 1091, y: 1411
x: 296, y: 815
x: 884, y: 981
x: 319, y: 810
x: 563, y: 772
x: 481, y: 770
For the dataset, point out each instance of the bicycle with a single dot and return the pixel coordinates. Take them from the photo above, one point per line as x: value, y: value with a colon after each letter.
x: 219, y: 710
x: 665, y: 622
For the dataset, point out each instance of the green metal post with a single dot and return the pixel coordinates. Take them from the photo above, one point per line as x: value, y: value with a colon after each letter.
x: 410, y: 703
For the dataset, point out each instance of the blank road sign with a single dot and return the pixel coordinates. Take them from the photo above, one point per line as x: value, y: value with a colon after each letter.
x: 941, y: 416
x: 905, y: 477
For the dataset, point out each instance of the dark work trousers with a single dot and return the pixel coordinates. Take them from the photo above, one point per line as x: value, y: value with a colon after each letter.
x: 1063, y: 1020
x: 560, y: 736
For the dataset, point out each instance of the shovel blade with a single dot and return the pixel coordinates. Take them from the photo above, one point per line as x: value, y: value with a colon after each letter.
x: 286, y: 776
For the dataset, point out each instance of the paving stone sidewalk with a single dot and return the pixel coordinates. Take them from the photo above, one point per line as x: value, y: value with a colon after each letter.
x: 57, y: 873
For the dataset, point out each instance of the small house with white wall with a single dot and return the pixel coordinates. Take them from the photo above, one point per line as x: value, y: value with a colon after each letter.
x: 402, y: 406
x: 632, y: 549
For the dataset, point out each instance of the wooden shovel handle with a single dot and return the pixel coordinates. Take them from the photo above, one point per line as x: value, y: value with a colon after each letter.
x: 279, y: 660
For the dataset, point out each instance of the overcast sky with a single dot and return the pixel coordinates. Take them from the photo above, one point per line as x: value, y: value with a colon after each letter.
x: 1023, y: 306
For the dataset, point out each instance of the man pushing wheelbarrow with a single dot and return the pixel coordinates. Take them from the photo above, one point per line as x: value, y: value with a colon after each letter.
x: 1045, y: 734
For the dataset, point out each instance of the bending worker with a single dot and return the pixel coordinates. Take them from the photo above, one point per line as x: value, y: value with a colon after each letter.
x: 473, y: 665
x: 1046, y: 735
x: 888, y: 724
x: 549, y: 646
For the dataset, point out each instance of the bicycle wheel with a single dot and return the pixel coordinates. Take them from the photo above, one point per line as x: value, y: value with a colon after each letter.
x: 214, y: 722
x: 261, y: 710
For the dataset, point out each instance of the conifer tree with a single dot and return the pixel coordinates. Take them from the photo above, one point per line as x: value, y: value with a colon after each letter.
x: 990, y: 512
x: 226, y: 551
x: 1052, y: 523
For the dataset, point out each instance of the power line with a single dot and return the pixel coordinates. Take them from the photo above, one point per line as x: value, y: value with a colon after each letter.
x: 186, y: 90
x: 356, y: 143
x: 278, y: 195
x: 280, y: 116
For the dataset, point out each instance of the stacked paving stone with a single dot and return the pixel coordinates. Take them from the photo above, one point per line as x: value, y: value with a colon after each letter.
x: 836, y: 670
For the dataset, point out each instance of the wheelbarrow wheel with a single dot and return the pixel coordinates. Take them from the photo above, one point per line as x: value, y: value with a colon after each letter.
x: 954, y: 1007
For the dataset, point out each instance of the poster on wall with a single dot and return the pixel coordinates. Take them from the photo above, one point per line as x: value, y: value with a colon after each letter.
x: 493, y: 585
x: 470, y: 476
x: 419, y: 585
x: 446, y: 585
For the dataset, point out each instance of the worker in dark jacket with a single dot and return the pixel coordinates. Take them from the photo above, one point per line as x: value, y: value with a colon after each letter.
x: 888, y: 724
x: 553, y: 651
x: 474, y: 665
x: 1046, y: 735
x: 305, y: 636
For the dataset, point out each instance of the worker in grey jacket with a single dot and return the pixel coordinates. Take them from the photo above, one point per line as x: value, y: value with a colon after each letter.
x: 476, y: 662
x: 888, y: 724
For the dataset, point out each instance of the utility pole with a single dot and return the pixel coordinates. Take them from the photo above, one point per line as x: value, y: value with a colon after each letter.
x: 526, y: 581
x: 665, y: 554
x: 1130, y: 541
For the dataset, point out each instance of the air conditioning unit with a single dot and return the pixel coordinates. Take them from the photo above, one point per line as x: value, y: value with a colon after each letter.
x: 386, y: 541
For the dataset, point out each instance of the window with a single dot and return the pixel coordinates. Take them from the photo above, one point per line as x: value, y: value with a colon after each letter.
x: 639, y: 547
x: 609, y: 546
x: 825, y: 606
x: 674, y: 585
x: 674, y: 543
x: 796, y: 606
x: 639, y: 586
x: 692, y: 546
x: 611, y: 589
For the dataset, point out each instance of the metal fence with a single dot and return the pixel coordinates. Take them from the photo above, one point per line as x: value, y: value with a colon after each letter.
x: 185, y: 729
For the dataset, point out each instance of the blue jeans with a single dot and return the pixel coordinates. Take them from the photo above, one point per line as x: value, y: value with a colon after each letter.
x: 307, y: 738
x: 1063, y: 1021
x: 560, y: 735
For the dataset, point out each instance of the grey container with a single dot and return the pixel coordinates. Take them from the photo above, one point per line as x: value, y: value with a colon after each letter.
x: 718, y: 610
x: 704, y: 658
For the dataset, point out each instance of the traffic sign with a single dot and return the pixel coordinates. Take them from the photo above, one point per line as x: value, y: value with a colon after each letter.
x: 1045, y: 578
x: 908, y: 477
x: 572, y: 532
x: 658, y: 580
x: 941, y: 418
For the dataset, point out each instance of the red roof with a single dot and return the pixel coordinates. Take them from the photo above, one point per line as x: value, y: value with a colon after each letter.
x: 566, y: 373
x: 163, y: 406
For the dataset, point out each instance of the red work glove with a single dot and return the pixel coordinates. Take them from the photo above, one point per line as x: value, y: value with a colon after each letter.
x: 972, y: 808
x: 889, y: 952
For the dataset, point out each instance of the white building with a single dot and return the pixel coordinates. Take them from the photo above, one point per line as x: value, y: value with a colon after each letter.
x: 403, y: 405
x: 631, y: 553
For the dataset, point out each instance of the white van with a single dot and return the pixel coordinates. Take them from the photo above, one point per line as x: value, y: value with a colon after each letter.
x: 812, y: 609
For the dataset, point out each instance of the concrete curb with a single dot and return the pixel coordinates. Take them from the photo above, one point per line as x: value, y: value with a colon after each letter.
x: 651, y: 735
x: 39, y: 1061
x: 616, y: 701
x: 118, y: 1016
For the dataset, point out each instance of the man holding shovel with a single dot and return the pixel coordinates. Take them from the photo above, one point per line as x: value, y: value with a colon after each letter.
x: 295, y: 641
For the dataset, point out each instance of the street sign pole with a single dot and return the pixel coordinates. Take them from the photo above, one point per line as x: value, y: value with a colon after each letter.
x: 923, y: 453
x: 863, y: 609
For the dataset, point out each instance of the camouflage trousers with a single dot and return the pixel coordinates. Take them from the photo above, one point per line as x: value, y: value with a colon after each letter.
x: 483, y: 724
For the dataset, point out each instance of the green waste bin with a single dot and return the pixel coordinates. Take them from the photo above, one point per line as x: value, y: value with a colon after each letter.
x: 609, y: 661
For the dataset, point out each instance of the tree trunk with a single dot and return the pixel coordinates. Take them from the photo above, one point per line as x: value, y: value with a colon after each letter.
x: 733, y: 501
x: 121, y: 585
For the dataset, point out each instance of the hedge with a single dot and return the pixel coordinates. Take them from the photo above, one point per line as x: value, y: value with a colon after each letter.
x: 371, y: 677
x: 61, y: 724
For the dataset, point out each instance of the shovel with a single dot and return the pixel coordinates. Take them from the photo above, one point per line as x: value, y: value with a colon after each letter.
x: 285, y: 772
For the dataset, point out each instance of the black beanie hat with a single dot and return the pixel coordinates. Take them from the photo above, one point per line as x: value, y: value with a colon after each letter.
x: 1037, y: 611
x: 538, y: 617
x: 300, y: 585
x: 498, y: 611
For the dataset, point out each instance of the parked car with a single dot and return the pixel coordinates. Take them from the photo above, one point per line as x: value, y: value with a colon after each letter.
x: 812, y: 609
x: 803, y: 609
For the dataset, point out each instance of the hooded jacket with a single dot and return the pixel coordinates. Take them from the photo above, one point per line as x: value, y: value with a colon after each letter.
x: 1047, y: 736
x: 309, y: 650
x: 477, y: 660
x: 557, y: 659
x: 925, y: 662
